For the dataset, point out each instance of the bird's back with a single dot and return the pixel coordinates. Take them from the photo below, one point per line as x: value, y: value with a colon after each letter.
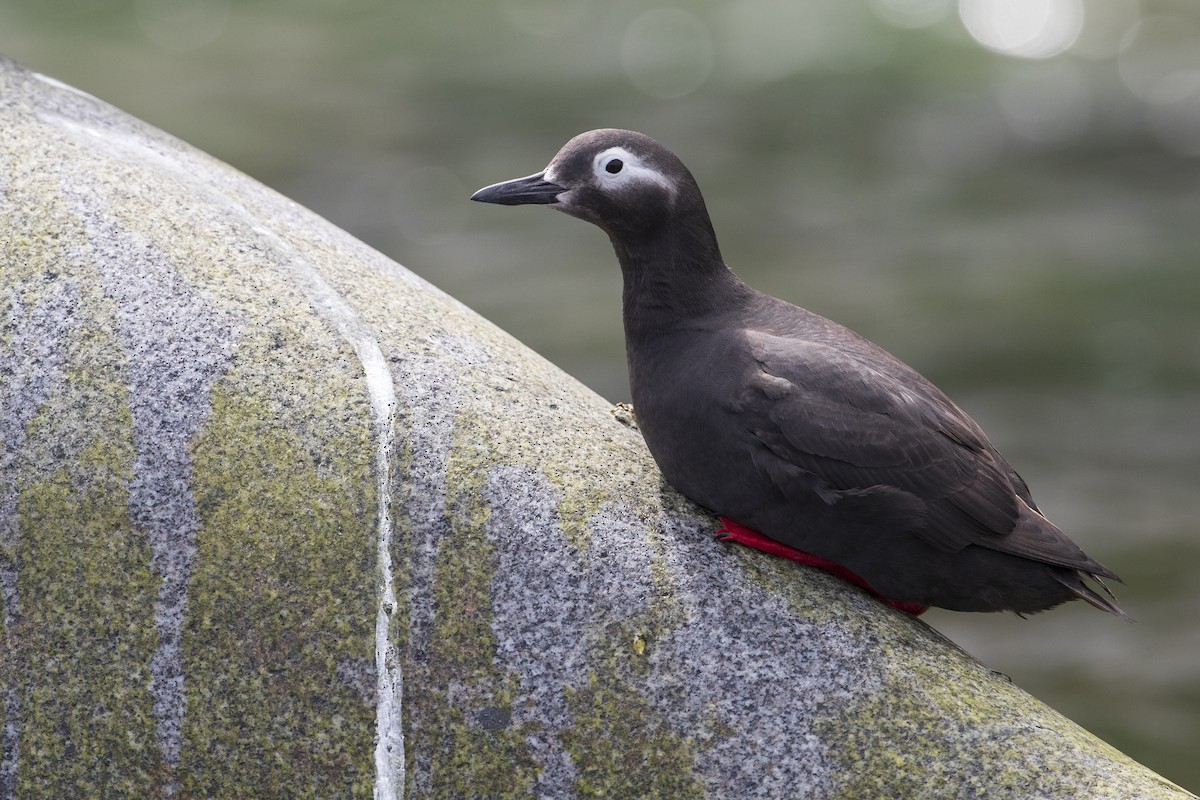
x: 797, y: 426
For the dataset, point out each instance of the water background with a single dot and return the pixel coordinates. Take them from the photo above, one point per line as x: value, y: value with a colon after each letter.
x: 1004, y: 193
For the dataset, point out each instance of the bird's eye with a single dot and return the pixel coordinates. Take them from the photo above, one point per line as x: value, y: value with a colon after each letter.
x: 613, y: 166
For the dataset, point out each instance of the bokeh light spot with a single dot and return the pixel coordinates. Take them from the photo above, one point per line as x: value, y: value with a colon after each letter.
x: 667, y: 53
x: 1105, y: 24
x: 1175, y: 119
x: 770, y: 39
x: 1154, y: 55
x: 1024, y: 28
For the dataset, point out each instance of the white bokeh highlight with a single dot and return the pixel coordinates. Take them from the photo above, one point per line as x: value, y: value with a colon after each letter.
x: 1023, y: 28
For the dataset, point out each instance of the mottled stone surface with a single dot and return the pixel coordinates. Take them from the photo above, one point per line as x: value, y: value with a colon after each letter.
x: 279, y: 519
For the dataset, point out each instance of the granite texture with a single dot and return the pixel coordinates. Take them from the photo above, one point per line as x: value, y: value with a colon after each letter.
x: 279, y: 519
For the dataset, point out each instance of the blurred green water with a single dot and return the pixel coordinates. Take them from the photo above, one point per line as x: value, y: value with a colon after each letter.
x: 1024, y: 231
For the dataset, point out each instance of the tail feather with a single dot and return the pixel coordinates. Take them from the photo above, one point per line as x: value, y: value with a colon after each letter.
x: 1073, y: 580
x: 1037, y: 538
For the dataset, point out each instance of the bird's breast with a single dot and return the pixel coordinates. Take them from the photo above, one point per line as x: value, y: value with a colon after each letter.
x: 685, y: 392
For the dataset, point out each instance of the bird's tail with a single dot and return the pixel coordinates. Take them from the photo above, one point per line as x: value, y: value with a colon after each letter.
x: 1074, y: 580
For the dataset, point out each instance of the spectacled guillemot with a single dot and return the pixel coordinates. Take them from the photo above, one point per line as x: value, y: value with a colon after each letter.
x: 797, y: 427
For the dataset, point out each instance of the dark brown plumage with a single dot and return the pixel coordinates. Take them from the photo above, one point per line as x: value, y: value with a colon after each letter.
x: 794, y: 425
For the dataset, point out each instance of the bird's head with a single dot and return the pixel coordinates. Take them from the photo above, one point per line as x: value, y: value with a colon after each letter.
x: 622, y: 181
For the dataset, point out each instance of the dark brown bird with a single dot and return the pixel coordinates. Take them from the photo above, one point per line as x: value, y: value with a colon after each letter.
x: 793, y: 425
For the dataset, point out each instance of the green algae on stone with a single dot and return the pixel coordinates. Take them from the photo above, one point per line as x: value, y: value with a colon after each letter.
x: 951, y: 728
x: 801, y: 587
x: 622, y: 748
x: 450, y: 698
x: 85, y: 632
x: 86, y: 638
x: 620, y: 745
x: 462, y: 639
x: 277, y: 606
x: 612, y: 463
x: 86, y: 625
x: 461, y: 682
x: 471, y: 759
x: 588, y: 489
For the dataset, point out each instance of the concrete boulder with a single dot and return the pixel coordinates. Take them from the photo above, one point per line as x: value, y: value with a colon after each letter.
x: 280, y: 519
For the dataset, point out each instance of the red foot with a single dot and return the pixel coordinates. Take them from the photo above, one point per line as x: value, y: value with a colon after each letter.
x: 733, y: 532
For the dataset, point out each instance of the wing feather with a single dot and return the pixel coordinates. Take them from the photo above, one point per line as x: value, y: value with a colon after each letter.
x: 858, y: 425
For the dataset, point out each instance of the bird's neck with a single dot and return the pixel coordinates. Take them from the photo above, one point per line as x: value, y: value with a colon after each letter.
x: 674, y: 277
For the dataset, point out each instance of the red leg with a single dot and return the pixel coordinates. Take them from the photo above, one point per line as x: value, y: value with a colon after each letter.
x: 733, y: 532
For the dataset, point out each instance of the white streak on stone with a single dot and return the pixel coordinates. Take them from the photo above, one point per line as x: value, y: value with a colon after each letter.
x: 389, y: 730
x: 430, y: 394
x: 57, y: 84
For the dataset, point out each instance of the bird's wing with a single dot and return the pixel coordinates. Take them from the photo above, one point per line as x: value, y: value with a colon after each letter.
x: 857, y: 424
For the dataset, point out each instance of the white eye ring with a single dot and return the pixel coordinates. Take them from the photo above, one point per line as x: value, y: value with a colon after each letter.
x: 616, y: 166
